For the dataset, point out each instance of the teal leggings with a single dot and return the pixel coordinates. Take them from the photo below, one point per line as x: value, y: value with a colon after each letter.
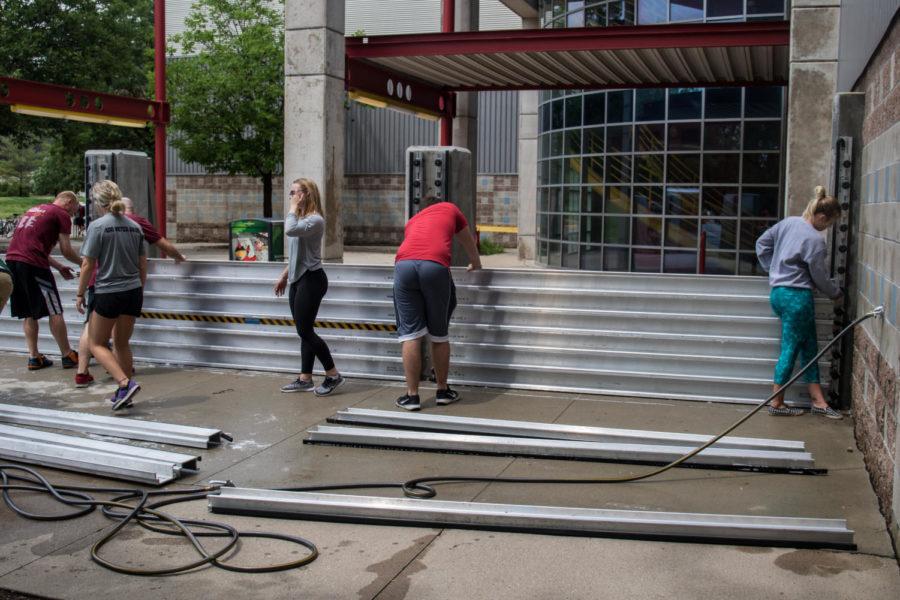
x: 795, y: 308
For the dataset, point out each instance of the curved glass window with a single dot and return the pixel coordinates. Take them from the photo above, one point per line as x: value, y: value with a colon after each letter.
x: 638, y: 180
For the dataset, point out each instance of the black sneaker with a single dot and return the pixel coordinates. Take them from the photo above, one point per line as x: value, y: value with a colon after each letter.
x: 444, y: 397
x: 408, y: 402
x: 329, y: 384
x: 70, y: 360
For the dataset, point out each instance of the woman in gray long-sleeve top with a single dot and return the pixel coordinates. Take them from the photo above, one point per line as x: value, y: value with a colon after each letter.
x: 304, y: 227
x: 793, y: 252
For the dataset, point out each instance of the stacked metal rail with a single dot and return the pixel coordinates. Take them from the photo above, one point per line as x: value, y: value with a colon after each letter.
x: 674, y: 336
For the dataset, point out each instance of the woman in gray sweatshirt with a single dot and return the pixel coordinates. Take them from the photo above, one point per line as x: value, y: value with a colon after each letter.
x: 304, y: 227
x: 793, y: 252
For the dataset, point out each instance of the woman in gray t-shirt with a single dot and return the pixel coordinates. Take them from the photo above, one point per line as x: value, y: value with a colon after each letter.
x: 114, y: 247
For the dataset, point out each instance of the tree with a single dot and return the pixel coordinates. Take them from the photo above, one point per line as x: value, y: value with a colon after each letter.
x: 227, y: 92
x: 18, y: 162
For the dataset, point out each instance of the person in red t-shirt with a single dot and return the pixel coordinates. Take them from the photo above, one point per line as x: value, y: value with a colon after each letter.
x: 83, y: 377
x: 34, y: 290
x: 424, y: 294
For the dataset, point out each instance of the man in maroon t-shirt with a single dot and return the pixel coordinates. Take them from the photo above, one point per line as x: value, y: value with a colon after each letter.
x: 83, y: 377
x: 34, y: 290
x: 424, y: 295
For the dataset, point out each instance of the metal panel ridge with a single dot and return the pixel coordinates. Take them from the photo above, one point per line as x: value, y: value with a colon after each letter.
x: 555, y: 431
x: 732, y: 529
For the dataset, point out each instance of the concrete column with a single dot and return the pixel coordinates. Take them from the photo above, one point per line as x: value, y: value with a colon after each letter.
x: 815, y: 26
x: 465, y: 124
x: 314, y: 107
x: 528, y: 165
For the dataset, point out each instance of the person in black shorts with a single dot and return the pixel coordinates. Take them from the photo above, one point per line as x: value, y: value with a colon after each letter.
x: 114, y: 246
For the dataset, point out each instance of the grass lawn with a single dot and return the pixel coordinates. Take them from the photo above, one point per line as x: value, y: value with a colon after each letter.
x: 10, y: 205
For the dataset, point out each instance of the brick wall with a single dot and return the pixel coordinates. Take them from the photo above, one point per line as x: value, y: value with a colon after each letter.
x: 876, y: 361
x: 497, y: 204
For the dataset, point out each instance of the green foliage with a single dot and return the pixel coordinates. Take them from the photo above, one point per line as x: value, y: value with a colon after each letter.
x: 227, y: 94
x: 17, y: 205
x: 489, y: 246
x: 17, y: 163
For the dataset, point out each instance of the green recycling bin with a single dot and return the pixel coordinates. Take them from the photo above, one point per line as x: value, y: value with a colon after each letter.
x: 256, y: 240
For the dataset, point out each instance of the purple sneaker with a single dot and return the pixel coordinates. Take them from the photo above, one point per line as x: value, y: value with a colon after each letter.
x: 124, y: 394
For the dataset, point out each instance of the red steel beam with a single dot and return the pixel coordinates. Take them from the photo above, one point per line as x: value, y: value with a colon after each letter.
x: 695, y: 35
x: 396, y: 89
x: 87, y: 102
x: 159, y: 144
x: 448, y: 25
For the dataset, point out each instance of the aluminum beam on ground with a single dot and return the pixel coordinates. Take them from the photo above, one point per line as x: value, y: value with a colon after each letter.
x: 132, y: 429
x: 118, y: 461
x: 741, y: 459
x: 550, y: 431
x: 670, y: 526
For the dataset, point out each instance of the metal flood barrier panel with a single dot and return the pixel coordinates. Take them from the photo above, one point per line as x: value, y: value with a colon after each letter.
x: 710, y: 338
x: 562, y: 449
x: 668, y: 526
x: 131, y: 429
x: 84, y: 455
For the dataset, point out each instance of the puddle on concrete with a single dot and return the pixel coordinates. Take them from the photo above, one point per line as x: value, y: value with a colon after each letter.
x: 385, y: 570
x: 825, y: 564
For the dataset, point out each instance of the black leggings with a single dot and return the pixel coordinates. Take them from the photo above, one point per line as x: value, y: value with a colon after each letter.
x: 305, y: 297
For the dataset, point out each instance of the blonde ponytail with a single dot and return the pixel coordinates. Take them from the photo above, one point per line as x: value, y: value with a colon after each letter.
x: 822, y: 204
x: 117, y: 207
x: 108, y: 195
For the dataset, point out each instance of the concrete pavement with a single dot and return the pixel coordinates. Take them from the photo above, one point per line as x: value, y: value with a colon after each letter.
x: 362, y: 561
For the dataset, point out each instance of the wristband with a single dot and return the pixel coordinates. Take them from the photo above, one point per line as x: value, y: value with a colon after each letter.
x: 79, y: 295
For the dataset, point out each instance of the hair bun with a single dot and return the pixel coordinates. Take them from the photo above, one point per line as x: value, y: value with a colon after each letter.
x: 820, y: 192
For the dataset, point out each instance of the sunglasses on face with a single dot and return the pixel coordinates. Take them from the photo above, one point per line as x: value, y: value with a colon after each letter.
x: 295, y: 192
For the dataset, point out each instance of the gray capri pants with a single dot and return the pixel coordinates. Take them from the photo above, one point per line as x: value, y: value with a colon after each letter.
x: 424, y: 300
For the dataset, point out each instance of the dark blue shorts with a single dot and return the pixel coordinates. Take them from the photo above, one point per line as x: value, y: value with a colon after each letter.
x: 424, y: 299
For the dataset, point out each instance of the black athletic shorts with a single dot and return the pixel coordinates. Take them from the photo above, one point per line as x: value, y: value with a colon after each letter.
x: 116, y: 304
x: 89, y: 300
x: 34, y: 293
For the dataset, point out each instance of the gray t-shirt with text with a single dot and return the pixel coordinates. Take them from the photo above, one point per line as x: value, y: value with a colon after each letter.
x: 117, y: 243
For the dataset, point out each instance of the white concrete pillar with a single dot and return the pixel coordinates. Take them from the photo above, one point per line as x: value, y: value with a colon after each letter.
x: 528, y: 165
x: 815, y: 27
x: 465, y: 124
x: 314, y: 107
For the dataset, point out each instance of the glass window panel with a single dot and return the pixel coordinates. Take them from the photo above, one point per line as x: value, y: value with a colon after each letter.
x: 618, y: 106
x: 573, y: 169
x: 592, y: 229
x: 748, y: 264
x: 593, y: 140
x: 543, y: 200
x: 722, y: 136
x: 544, y: 226
x: 683, y: 168
x: 685, y: 103
x: 556, y: 143
x: 573, y: 141
x: 763, y: 135
x: 615, y: 259
x: 618, y: 199
x: 759, y: 202
x: 648, y: 168
x: 555, y: 197
x: 724, y: 8
x: 544, y: 172
x: 572, y: 199
x: 682, y: 201
x: 681, y: 233
x: 762, y: 102
x: 595, y: 109
x: 576, y: 18
x: 750, y: 232
x: 573, y: 111
x: 650, y: 138
x: 687, y: 10
x: 647, y: 231
x: 647, y: 200
x: 645, y: 261
x: 556, y: 114
x: 570, y: 228
x: 684, y: 136
x: 620, y: 12
x: 651, y: 12
x: 593, y: 169
x: 618, y: 138
x: 618, y: 168
x: 720, y: 263
x: 592, y: 199
x: 721, y: 234
x: 721, y: 168
x: 650, y: 105
x: 723, y: 103
x: 554, y: 231
x: 556, y: 171
x: 545, y: 145
x: 542, y: 251
x: 679, y: 261
x: 756, y: 7
x: 545, y: 117
x: 616, y: 230
x: 591, y: 258
x: 761, y: 168
x: 553, y: 257
x: 720, y: 201
x: 570, y: 256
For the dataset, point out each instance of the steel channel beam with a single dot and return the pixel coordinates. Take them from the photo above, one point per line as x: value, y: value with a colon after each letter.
x: 84, y: 455
x: 556, y: 520
x: 552, y: 431
x: 132, y: 429
x: 741, y: 459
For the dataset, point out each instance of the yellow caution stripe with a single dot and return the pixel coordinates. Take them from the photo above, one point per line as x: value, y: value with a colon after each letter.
x: 267, y: 321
